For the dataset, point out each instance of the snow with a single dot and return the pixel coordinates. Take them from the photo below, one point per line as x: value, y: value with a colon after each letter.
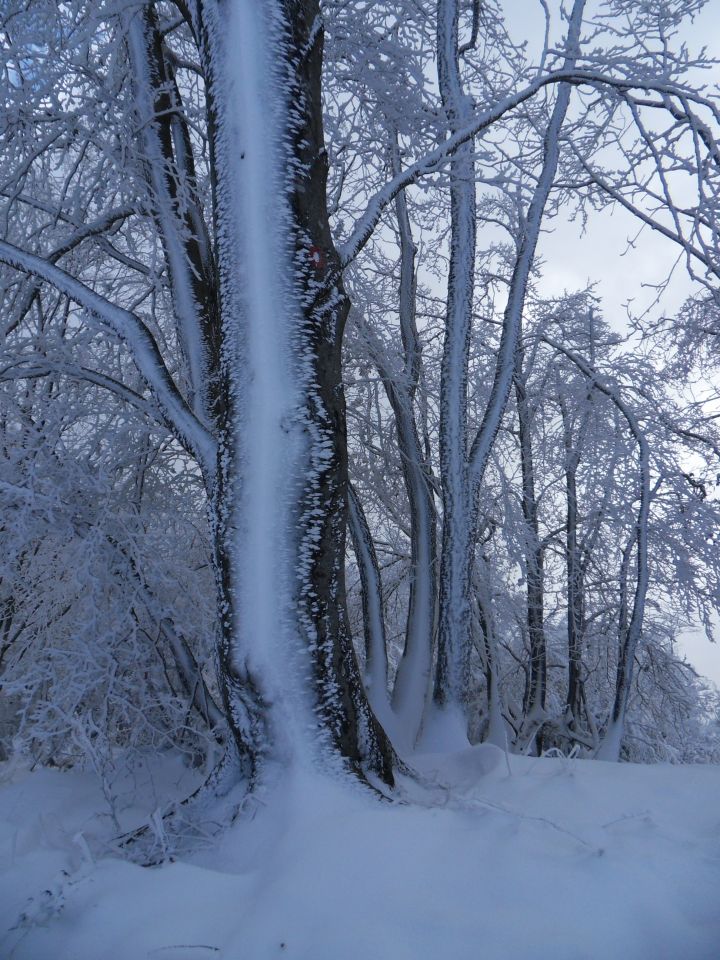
x: 504, y: 858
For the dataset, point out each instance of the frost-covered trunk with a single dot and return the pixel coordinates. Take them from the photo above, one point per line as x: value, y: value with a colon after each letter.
x: 462, y: 473
x: 169, y: 168
x: 495, y: 730
x: 290, y: 678
x: 376, y: 662
x: 455, y: 614
x: 412, y: 680
x: 630, y: 636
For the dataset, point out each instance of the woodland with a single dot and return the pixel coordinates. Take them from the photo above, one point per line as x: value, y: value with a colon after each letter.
x: 303, y: 471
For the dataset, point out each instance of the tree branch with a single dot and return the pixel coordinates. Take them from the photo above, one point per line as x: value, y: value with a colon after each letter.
x: 144, y: 350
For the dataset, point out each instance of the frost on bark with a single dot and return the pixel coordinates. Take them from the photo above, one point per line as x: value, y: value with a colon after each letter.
x: 280, y: 499
x: 225, y: 335
x: 630, y: 633
x: 376, y: 661
x: 413, y: 678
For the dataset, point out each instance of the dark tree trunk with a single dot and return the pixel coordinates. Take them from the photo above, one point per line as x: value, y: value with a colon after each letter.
x: 536, y: 685
x: 268, y: 701
x: 575, y: 701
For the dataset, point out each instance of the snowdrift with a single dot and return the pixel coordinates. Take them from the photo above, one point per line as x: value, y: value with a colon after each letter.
x: 488, y: 856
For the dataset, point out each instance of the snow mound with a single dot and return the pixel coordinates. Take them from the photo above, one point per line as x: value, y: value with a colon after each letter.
x: 544, y: 859
x: 461, y: 770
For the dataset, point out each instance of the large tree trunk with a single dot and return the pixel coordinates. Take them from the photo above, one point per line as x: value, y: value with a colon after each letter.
x: 291, y: 681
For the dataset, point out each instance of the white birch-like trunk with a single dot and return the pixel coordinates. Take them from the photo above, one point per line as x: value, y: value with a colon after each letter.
x: 376, y: 662
x: 413, y: 678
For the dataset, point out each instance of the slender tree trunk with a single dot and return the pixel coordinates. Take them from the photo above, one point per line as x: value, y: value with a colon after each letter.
x: 630, y: 637
x: 413, y: 677
x: 170, y: 174
x: 609, y: 748
x: 376, y: 663
x: 534, y: 700
x: 412, y: 681
x: 462, y: 473
x: 495, y: 732
x: 575, y: 700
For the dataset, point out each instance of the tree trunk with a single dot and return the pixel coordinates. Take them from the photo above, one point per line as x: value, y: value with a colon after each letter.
x: 609, y: 748
x: 290, y: 677
x: 412, y: 681
x: 455, y: 616
x: 534, y: 700
x: 376, y: 662
x: 575, y: 700
x: 462, y: 474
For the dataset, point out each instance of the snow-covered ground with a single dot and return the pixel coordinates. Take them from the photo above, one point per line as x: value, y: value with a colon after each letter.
x: 549, y: 858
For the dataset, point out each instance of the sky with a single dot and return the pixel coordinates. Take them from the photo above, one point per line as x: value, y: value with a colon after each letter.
x: 702, y: 654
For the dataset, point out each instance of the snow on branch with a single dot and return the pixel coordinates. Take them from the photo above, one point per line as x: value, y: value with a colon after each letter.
x: 143, y: 348
x: 434, y: 160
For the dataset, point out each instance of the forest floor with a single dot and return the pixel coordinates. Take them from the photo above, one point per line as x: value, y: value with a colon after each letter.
x: 490, y: 858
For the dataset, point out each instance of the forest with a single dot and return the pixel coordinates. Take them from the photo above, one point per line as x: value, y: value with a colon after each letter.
x: 328, y: 507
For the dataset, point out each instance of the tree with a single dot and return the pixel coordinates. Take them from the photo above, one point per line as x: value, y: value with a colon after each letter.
x: 187, y: 231
x: 227, y: 319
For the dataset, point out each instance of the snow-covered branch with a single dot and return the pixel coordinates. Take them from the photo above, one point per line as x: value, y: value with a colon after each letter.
x: 143, y: 349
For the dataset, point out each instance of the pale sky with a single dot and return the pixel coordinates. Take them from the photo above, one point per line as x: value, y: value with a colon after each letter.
x: 702, y: 654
